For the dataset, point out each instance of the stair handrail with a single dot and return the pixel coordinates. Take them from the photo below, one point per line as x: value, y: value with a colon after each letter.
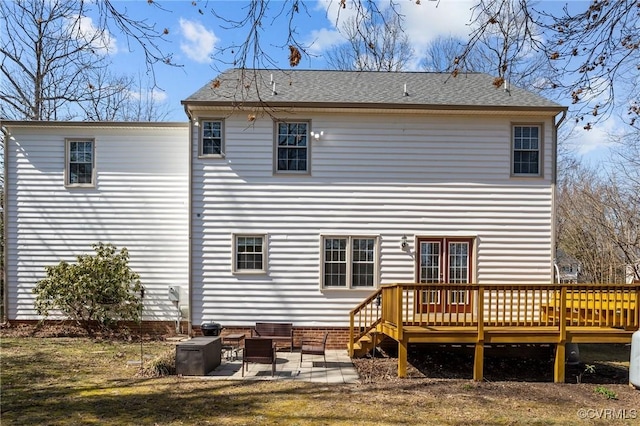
x: 365, y: 305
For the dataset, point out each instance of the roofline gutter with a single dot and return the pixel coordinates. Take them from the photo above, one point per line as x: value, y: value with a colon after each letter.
x: 114, y: 124
x: 366, y: 106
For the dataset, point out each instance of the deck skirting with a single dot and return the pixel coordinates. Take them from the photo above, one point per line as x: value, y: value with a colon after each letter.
x: 504, y: 335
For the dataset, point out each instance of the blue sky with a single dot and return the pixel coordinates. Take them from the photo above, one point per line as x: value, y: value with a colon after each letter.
x: 194, y: 39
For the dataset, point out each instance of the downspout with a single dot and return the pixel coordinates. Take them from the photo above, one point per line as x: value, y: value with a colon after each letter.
x: 555, y: 267
x: 190, y: 226
x: 5, y: 281
x: 554, y: 186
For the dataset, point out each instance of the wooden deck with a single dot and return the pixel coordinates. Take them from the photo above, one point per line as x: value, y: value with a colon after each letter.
x: 485, y: 314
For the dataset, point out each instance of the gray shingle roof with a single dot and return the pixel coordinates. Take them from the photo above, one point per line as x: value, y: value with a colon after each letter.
x: 364, y: 89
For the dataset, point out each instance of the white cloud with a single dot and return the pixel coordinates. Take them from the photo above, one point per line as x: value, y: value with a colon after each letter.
x: 335, y: 13
x: 429, y: 20
x: 601, y: 136
x: 423, y: 23
x: 159, y: 95
x: 198, y: 42
x: 155, y: 95
x: 100, y: 40
x: 323, y: 39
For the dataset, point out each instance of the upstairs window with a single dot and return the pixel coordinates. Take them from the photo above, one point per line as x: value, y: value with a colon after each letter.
x: 292, y: 149
x: 526, y: 152
x: 349, y: 262
x: 80, y: 163
x: 211, y: 138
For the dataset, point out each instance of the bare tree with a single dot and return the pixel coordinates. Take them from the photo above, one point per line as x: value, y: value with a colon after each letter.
x: 599, y: 225
x: 626, y: 169
x: 375, y: 44
x: 627, y: 160
x: 441, y: 53
x: 260, y: 16
x: 121, y: 98
x: 143, y: 105
x: 41, y: 50
x: 592, y: 54
x: 55, y: 58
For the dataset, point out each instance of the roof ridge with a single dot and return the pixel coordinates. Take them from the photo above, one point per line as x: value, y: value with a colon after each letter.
x: 353, y: 71
x: 413, y: 89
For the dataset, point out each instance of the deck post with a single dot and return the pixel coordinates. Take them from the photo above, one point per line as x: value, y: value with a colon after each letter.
x: 478, y: 362
x: 402, y: 358
x: 558, y: 365
x: 478, y: 359
x: 351, y: 334
x: 402, y: 341
x: 398, y: 316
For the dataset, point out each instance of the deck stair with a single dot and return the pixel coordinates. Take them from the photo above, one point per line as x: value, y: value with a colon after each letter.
x: 555, y: 314
x: 366, y: 343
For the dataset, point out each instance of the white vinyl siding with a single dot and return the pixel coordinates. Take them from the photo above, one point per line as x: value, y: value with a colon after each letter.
x: 380, y: 173
x: 140, y: 205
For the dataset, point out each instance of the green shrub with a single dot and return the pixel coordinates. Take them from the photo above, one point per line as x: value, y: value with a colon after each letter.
x: 98, y: 290
x: 608, y: 393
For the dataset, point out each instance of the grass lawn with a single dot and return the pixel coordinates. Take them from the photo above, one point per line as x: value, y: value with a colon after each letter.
x: 80, y: 381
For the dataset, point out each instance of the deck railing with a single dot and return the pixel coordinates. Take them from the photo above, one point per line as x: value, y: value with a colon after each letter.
x: 499, y: 305
x: 365, y: 317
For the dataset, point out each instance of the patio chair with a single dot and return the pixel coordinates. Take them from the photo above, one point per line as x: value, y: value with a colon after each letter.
x: 313, y: 346
x: 261, y: 351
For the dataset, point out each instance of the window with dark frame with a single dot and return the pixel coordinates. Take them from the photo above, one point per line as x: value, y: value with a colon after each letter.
x: 349, y: 262
x: 211, y: 142
x: 526, y: 150
x: 292, y: 150
x: 80, y: 162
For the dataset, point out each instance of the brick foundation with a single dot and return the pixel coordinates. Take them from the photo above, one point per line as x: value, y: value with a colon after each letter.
x: 149, y: 328
x: 338, y: 336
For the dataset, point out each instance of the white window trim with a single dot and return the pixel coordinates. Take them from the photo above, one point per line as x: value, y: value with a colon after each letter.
x: 234, y: 253
x: 275, y: 148
x: 540, y: 127
x: 201, y: 121
x: 67, y: 172
x: 349, y: 286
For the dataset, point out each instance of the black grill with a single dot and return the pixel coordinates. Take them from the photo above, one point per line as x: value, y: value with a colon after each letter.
x: 211, y: 328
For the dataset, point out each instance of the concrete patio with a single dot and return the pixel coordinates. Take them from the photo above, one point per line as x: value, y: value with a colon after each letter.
x: 338, y: 368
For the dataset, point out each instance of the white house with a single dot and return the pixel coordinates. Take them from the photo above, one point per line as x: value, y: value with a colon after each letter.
x: 310, y: 188
x: 292, y: 195
x: 70, y: 185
